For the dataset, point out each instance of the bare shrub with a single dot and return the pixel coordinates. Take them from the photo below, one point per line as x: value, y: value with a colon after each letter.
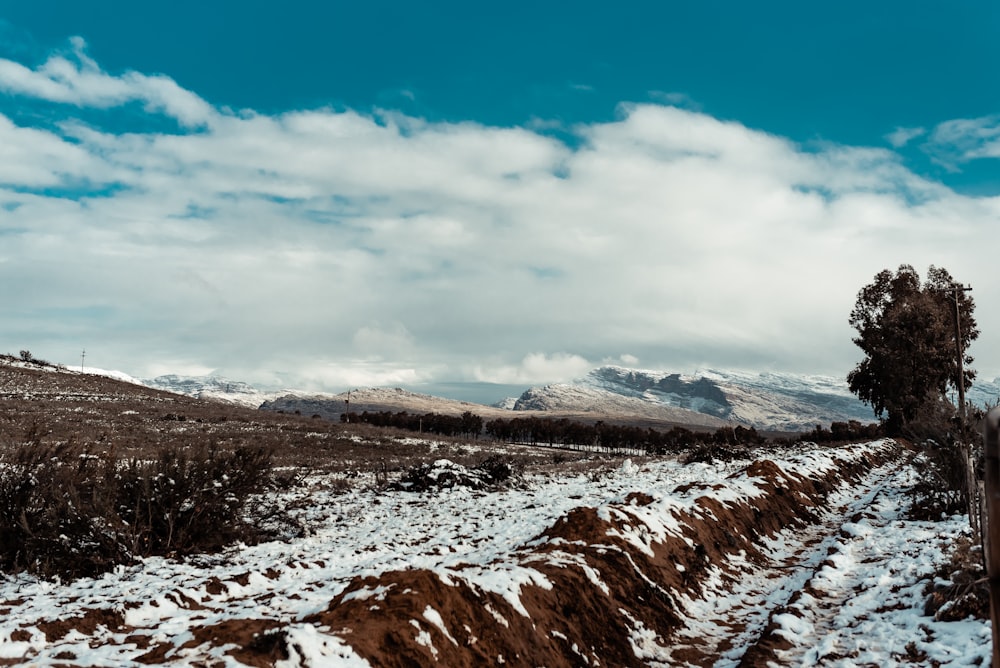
x: 959, y: 589
x: 55, y: 515
x: 709, y: 453
x: 186, y: 502
x: 940, y: 487
x: 67, y: 512
x: 499, y: 469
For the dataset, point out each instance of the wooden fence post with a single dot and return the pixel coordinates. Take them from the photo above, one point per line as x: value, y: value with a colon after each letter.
x: 991, y: 530
x: 972, y: 500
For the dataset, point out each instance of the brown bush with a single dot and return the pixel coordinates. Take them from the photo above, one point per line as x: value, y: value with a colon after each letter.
x: 940, y: 487
x: 65, y: 511
x: 959, y: 589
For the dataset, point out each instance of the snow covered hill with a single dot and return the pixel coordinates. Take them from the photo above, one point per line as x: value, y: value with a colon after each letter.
x: 372, y: 399
x: 770, y: 401
x: 710, y: 399
x: 984, y: 393
x: 212, y: 387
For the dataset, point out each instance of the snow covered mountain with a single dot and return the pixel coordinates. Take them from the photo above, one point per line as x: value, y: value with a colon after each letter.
x: 984, y: 393
x: 212, y: 387
x: 770, y: 401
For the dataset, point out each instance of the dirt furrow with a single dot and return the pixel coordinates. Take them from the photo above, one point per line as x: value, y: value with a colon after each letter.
x: 613, y: 585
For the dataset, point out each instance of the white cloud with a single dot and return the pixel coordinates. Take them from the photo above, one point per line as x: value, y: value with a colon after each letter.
x: 961, y: 140
x: 900, y: 137
x: 675, y: 99
x: 37, y: 158
x: 177, y: 367
x: 349, y: 249
x: 76, y: 79
x: 347, y: 374
x: 378, y: 343
x: 536, y: 368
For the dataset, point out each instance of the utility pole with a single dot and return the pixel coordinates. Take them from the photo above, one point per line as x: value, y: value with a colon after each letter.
x: 979, y: 520
x: 83, y: 356
x: 960, y: 353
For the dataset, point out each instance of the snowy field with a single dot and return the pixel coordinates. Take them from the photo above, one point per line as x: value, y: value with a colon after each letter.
x: 846, y: 589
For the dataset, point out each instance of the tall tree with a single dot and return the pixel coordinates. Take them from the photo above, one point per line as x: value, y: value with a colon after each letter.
x: 907, y: 331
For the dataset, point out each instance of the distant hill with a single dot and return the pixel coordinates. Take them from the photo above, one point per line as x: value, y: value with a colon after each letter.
x: 211, y: 387
x: 768, y: 401
x: 374, y: 399
x: 395, y: 400
x: 53, y: 404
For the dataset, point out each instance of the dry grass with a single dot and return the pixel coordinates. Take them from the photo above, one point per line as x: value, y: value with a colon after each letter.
x: 132, y: 421
x: 967, y: 593
x: 104, y: 456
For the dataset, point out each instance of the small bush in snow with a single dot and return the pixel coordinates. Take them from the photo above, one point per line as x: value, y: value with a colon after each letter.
x: 714, y: 452
x: 443, y: 474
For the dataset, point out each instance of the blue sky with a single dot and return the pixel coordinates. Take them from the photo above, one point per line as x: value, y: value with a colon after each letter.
x: 343, y: 194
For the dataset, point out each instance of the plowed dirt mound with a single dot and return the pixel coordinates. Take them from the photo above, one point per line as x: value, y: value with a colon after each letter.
x: 601, y: 586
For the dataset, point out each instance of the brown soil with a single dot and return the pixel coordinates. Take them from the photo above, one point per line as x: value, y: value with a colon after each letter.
x: 574, y: 621
x: 85, y: 624
x: 257, y: 642
x: 764, y: 653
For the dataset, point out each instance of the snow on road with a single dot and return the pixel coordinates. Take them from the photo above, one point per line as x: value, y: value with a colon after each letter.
x: 847, y: 591
x: 864, y: 604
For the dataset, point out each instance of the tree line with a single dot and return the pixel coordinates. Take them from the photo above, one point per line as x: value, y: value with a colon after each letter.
x: 613, y: 437
x: 598, y: 436
x: 467, y: 424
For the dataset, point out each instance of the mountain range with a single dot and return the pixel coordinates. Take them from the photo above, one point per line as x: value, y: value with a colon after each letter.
x: 768, y: 401
x: 708, y: 398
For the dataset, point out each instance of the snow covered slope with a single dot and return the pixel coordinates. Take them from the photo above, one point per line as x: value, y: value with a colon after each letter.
x: 583, y: 399
x: 650, y: 564
x: 984, y: 393
x: 770, y: 401
x: 212, y: 387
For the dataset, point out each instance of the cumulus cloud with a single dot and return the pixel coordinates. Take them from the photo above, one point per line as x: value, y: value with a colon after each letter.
x: 536, y: 368
x: 344, y: 248
x: 961, y: 140
x: 74, y: 78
